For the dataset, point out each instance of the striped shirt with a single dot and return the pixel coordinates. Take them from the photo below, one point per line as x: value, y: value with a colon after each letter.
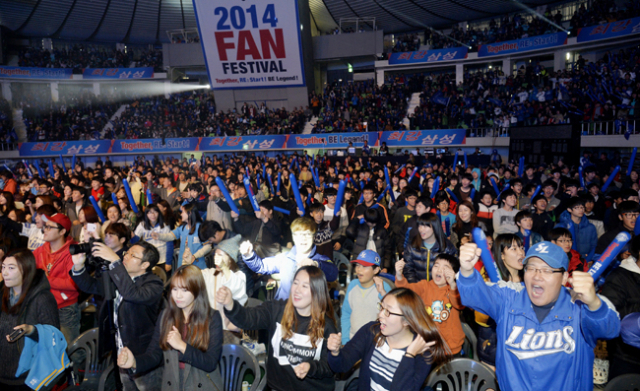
x: 383, y: 366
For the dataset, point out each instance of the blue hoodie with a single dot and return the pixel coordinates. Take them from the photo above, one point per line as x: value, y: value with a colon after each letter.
x: 44, y: 359
x: 585, y: 236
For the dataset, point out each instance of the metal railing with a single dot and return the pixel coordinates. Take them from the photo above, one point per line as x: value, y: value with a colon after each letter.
x: 488, y: 132
x: 8, y: 147
x: 609, y: 128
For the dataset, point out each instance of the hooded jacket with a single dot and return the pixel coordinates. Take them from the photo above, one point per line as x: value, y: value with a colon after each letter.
x: 585, y: 235
x: 39, y: 307
x: 56, y: 266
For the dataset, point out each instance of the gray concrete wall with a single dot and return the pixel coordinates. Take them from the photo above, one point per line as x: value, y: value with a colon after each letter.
x: 347, y: 45
x: 288, y: 98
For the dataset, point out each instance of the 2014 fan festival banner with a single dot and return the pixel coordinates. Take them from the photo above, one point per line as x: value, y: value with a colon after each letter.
x: 251, y: 43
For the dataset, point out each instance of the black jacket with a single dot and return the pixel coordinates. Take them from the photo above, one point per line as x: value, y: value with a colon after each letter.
x: 359, y: 233
x: 197, y: 359
x: 138, y: 311
x: 39, y: 307
x: 622, y: 287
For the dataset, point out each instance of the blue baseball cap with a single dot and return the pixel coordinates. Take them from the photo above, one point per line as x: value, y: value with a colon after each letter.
x: 368, y: 258
x: 552, y: 254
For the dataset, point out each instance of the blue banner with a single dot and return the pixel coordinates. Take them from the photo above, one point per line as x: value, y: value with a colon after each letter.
x: 117, y: 73
x: 155, y: 145
x: 523, y: 45
x: 35, y: 73
x: 97, y: 147
x: 331, y: 140
x: 244, y: 143
x: 609, y: 30
x: 419, y: 138
x: 428, y: 56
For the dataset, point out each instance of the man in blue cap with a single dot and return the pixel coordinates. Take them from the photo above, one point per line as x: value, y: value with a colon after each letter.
x: 546, y: 332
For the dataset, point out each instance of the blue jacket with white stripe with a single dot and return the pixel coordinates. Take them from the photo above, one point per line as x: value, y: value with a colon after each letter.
x: 556, y: 354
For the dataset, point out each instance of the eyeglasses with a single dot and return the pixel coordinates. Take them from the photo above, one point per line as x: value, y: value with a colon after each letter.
x: 48, y: 227
x: 631, y: 215
x: 128, y: 254
x: 385, y: 311
x: 303, y: 234
x: 545, y: 272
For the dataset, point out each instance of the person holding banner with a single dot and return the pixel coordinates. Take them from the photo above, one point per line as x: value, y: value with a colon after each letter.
x: 303, y: 253
x: 546, y: 333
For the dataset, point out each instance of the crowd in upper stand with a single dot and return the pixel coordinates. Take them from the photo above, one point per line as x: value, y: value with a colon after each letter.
x: 80, y: 56
x: 187, y: 114
x: 603, y: 91
x: 358, y: 106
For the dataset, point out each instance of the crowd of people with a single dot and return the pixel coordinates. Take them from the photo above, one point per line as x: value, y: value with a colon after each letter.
x: 363, y: 105
x: 223, y: 228
x: 7, y: 132
x: 607, y: 90
x: 84, y: 116
x: 78, y: 57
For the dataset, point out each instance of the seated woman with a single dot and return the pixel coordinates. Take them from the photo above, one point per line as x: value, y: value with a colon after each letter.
x: 393, y: 348
x: 26, y: 301
x: 298, y: 330
x: 187, y: 338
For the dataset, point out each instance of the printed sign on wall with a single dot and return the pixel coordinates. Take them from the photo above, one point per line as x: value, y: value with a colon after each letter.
x: 250, y: 43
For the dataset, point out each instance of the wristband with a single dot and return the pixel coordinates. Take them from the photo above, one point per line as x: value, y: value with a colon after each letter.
x: 409, y: 355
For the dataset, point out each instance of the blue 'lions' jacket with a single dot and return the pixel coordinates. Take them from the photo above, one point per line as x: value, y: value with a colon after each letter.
x: 556, y: 354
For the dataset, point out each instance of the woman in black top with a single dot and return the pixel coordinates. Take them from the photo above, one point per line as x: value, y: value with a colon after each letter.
x: 298, y: 331
x: 26, y: 300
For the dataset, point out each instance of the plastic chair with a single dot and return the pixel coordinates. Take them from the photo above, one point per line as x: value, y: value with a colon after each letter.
x: 235, y: 362
x: 158, y: 271
x: 342, y: 385
x: 628, y: 382
x: 471, y: 341
x: 462, y: 374
x: 96, y: 370
x: 341, y: 260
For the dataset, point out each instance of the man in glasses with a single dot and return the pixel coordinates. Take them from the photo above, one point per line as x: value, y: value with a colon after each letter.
x: 546, y: 333
x: 137, y: 302
x: 55, y: 259
x: 628, y: 212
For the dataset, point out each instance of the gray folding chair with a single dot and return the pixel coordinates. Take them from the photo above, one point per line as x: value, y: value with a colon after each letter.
x: 235, y: 362
x: 96, y: 370
x: 463, y: 374
x: 628, y: 382
x: 470, y: 343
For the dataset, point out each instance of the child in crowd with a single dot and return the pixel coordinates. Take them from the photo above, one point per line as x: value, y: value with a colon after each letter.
x: 359, y: 306
x: 441, y: 297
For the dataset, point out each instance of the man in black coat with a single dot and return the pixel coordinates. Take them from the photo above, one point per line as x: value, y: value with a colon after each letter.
x: 136, y: 305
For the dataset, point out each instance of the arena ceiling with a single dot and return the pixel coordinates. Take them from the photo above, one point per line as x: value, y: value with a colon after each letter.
x: 146, y: 21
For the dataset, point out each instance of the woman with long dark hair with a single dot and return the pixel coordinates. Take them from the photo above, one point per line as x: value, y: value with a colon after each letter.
x: 187, y: 338
x: 421, y: 252
x: 466, y: 221
x: 508, y: 252
x: 298, y: 331
x: 7, y: 204
x: 26, y: 301
x: 397, y: 350
x: 191, y: 249
x: 154, y: 222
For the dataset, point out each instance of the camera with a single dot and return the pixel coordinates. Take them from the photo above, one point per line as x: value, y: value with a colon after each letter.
x: 85, y: 248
